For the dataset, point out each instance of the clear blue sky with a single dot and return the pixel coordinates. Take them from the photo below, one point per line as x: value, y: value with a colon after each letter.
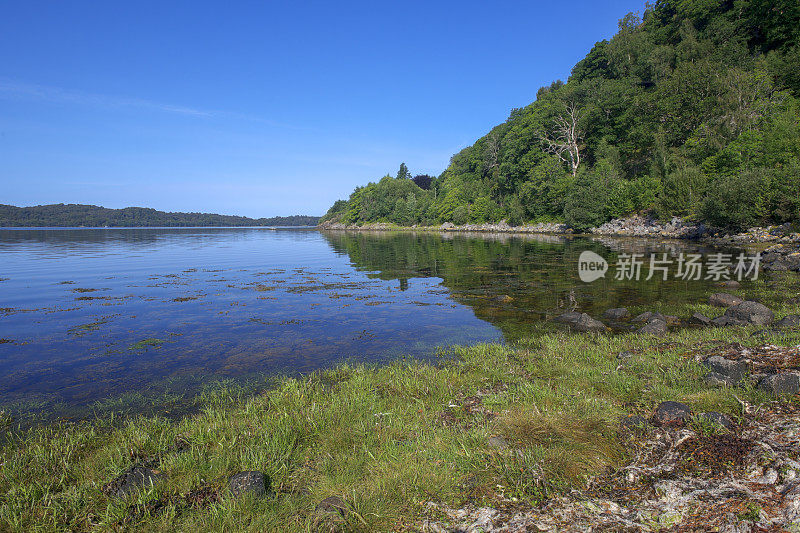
x: 264, y: 108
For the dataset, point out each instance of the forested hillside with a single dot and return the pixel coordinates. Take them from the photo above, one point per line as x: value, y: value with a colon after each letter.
x: 74, y: 215
x: 691, y: 109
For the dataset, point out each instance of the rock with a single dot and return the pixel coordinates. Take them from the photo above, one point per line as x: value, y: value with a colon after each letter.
x: 751, y: 312
x: 715, y: 419
x: 617, y: 313
x: 255, y: 483
x: 789, y: 321
x: 714, y: 379
x: 633, y: 423
x: 132, y: 480
x: 504, y: 299
x: 672, y: 414
x: 769, y: 477
x: 332, y: 504
x: 647, y: 316
x: 723, y: 321
x: 581, y: 322
x: 780, y: 384
x: 730, y: 284
x: 735, y: 370
x: 655, y: 327
x: 699, y: 320
x: 723, y: 299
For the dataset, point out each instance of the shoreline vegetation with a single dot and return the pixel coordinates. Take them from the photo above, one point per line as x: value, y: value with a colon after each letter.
x: 78, y: 215
x: 558, y: 430
x: 633, y: 226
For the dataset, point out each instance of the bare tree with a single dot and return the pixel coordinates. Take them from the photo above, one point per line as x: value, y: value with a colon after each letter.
x: 492, y: 153
x: 564, y: 141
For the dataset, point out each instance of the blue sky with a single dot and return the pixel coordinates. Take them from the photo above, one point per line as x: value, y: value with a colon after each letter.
x: 264, y: 108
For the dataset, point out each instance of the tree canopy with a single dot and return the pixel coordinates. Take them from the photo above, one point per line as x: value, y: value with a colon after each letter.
x: 691, y: 109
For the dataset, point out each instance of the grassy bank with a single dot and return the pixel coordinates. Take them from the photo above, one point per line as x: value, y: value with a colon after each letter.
x: 384, y: 439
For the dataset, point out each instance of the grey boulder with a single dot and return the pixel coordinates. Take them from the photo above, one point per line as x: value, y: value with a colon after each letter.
x: 672, y: 414
x: 752, y: 313
x: 780, y: 384
x: 647, y: 316
x: 132, y: 480
x: 581, y: 322
x: 250, y: 482
x: 618, y: 313
x: 723, y: 299
x: 735, y: 370
x: 699, y: 319
x: 655, y: 326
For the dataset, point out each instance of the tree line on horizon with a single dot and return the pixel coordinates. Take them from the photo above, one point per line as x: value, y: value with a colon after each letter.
x: 691, y: 109
x: 76, y: 215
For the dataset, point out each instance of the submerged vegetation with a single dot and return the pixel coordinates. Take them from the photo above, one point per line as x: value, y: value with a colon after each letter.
x: 486, y: 424
x: 691, y: 109
x: 75, y: 215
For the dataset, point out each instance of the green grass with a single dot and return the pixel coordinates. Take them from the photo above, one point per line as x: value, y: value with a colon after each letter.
x: 385, y: 439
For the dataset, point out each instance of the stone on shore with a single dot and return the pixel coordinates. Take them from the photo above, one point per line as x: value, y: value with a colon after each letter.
x: 581, y: 322
x: 723, y: 299
x: 751, y: 312
x: 672, y: 414
x: 655, y: 326
x: 787, y: 383
x: 699, y: 319
x: 618, y: 313
x: 724, y: 321
x: 735, y: 370
x: 332, y: 504
x: 255, y: 483
x: 132, y: 480
x: 647, y: 316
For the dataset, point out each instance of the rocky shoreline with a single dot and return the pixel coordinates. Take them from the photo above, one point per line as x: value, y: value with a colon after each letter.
x: 696, y: 473
x: 784, y: 254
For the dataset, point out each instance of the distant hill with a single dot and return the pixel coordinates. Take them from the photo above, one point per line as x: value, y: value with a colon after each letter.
x: 77, y: 215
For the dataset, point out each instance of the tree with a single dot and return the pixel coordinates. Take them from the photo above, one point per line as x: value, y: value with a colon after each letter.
x: 566, y: 136
x: 403, y: 173
x: 423, y: 181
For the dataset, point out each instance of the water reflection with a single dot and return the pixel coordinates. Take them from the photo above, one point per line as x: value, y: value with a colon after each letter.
x: 88, y: 314
x: 515, y: 280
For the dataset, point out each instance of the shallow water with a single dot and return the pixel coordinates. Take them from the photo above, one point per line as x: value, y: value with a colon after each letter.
x: 90, y: 314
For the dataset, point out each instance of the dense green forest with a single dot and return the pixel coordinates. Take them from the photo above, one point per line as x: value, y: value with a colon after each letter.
x: 76, y: 215
x: 691, y: 109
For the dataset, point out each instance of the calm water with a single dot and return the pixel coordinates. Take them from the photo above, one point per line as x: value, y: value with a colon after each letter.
x: 90, y: 314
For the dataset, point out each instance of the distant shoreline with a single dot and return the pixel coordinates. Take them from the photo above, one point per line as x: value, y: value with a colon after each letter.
x: 149, y: 227
x: 93, y: 216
